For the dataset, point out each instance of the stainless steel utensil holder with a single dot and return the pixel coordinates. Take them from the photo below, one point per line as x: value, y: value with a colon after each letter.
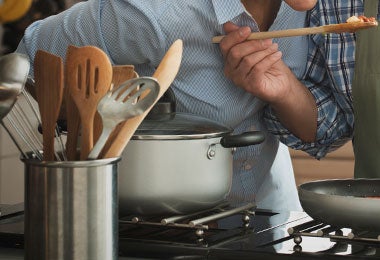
x: 71, y: 209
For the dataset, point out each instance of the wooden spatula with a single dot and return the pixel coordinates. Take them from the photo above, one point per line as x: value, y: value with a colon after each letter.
x: 331, y: 28
x: 122, y: 73
x: 89, y: 73
x: 48, y: 76
x: 165, y: 74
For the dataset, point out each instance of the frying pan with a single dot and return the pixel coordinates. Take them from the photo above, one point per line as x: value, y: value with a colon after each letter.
x: 343, y: 203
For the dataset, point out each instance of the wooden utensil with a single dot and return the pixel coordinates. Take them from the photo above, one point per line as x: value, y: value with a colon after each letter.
x: 120, y: 73
x: 89, y: 73
x: 48, y: 76
x: 165, y: 74
x: 73, y: 125
x: 331, y: 28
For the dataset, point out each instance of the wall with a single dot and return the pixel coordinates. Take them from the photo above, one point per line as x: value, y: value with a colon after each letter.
x: 336, y: 165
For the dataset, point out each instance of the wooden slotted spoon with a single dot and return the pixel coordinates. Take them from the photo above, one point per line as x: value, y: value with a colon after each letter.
x: 48, y: 76
x: 331, y: 28
x: 165, y: 74
x: 89, y: 73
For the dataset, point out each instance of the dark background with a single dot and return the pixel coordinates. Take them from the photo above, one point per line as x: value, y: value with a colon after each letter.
x: 13, y: 32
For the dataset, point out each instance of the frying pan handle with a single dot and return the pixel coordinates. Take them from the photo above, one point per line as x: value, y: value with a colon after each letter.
x: 241, y: 140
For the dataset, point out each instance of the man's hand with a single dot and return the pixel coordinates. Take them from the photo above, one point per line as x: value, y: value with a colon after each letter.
x: 254, y: 65
x: 257, y: 67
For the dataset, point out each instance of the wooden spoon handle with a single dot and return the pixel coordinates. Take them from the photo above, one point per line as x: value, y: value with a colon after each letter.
x: 331, y: 28
x: 89, y: 73
x: 165, y: 74
x: 73, y: 127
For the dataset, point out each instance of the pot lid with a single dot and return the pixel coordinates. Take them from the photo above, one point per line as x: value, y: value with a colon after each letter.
x: 177, y: 125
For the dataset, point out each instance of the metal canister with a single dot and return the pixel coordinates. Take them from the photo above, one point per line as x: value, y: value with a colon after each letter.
x: 71, y: 209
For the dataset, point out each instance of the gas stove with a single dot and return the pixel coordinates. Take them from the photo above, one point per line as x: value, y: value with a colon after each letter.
x: 226, y: 232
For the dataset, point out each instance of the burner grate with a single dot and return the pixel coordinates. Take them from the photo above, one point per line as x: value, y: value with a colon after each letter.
x: 203, y: 224
x: 369, y: 240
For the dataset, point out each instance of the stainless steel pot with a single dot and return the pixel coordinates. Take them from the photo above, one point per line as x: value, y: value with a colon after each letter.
x: 178, y: 163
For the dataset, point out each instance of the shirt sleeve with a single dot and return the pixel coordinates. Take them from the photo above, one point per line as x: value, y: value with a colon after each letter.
x: 328, y: 77
x: 120, y: 28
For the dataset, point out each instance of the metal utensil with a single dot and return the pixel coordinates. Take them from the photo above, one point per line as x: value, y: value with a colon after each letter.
x: 14, y: 69
x: 120, y: 73
x: 89, y: 76
x: 130, y: 99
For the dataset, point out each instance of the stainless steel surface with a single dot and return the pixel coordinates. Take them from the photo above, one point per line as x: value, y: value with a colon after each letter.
x: 220, y: 215
x: 176, y: 218
x: 349, y: 203
x: 199, y: 221
x: 8, y: 98
x: 178, y: 163
x: 71, y: 209
x: 14, y: 70
x: 127, y: 100
x: 173, y: 176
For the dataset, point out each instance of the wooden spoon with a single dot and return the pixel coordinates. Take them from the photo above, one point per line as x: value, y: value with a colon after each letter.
x: 165, y: 74
x: 89, y: 74
x: 48, y: 76
x: 331, y: 28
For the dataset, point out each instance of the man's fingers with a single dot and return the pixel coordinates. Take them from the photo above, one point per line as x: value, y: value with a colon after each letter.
x: 234, y: 35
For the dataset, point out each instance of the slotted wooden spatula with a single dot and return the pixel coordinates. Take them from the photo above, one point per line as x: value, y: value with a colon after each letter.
x: 165, y: 74
x: 89, y: 73
x: 48, y: 76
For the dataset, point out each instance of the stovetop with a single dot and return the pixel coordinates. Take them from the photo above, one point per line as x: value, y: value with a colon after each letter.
x: 249, y: 233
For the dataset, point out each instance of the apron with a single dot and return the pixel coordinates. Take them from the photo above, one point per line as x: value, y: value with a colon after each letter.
x: 366, y: 98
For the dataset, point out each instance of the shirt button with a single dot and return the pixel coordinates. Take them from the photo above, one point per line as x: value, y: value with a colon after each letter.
x: 247, y: 167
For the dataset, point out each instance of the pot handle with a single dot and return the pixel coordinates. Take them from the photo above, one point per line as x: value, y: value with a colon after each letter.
x: 243, y: 139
